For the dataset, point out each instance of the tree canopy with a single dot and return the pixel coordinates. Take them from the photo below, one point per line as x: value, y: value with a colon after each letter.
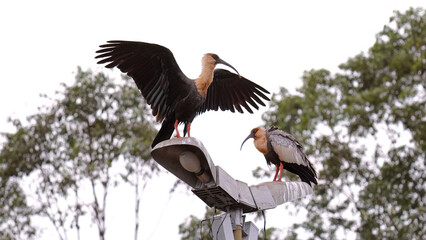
x: 91, y: 126
x: 364, y: 127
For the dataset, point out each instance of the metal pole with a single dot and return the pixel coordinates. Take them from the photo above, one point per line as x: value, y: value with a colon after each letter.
x: 238, y: 233
x: 237, y: 223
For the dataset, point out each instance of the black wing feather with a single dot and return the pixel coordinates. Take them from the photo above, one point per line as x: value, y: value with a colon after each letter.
x: 233, y: 99
x: 152, y: 67
x: 248, y: 98
x: 229, y: 91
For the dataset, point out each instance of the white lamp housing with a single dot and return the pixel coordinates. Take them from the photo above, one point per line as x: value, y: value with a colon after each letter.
x: 190, y: 162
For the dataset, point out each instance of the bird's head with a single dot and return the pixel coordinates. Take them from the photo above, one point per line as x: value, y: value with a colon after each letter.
x: 214, y: 59
x: 255, y: 133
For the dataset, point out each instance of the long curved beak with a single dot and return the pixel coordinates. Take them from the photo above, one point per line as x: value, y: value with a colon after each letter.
x: 249, y: 136
x: 219, y: 60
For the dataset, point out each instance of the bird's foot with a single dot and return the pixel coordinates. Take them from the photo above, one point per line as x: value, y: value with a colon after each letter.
x: 276, y: 173
x: 176, y: 128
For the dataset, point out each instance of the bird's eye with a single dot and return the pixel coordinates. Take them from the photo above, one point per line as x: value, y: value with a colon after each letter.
x: 254, y: 131
x: 215, y: 57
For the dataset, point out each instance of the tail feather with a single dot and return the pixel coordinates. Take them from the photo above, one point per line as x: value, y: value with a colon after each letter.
x: 305, y: 173
x: 165, y: 132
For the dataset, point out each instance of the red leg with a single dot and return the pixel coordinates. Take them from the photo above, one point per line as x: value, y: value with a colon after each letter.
x: 276, y: 173
x: 176, y: 128
x: 188, y: 128
x: 281, y: 172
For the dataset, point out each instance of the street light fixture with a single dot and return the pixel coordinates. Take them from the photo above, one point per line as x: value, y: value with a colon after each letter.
x: 189, y: 161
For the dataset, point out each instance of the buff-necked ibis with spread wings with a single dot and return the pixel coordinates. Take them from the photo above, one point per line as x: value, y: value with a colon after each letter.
x: 284, y: 151
x: 173, y: 97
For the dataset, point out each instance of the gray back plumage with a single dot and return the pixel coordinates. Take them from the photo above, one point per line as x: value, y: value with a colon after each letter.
x: 287, y: 148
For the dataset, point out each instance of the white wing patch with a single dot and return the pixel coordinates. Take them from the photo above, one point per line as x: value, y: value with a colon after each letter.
x: 287, y: 150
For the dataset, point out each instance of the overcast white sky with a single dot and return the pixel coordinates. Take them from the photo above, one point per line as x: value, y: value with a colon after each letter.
x: 269, y: 42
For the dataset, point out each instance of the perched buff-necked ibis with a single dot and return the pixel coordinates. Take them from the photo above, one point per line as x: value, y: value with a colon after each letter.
x: 173, y: 97
x: 284, y: 151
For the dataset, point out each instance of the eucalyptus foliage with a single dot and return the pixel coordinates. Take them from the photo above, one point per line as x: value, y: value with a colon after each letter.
x: 72, y: 144
x: 365, y: 129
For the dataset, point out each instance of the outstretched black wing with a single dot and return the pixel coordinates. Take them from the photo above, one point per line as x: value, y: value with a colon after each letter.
x: 228, y: 91
x: 152, y: 67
